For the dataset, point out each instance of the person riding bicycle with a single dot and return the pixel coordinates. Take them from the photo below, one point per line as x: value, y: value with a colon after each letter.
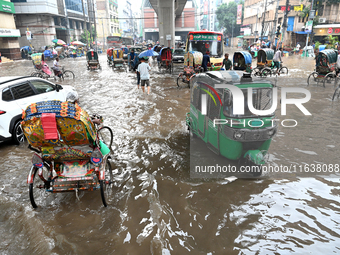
x: 277, y: 59
x: 56, y: 68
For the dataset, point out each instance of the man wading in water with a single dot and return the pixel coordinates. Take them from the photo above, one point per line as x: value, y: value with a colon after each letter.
x: 144, y: 69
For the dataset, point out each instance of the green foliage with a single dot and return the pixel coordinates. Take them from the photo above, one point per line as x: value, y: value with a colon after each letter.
x: 305, y: 12
x: 317, y: 44
x: 332, y: 40
x: 226, y: 15
x: 87, y: 37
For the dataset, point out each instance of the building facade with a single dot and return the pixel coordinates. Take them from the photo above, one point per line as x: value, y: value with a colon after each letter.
x: 184, y: 23
x: 108, y: 23
x: 9, y: 43
x: 51, y: 19
x: 260, y: 19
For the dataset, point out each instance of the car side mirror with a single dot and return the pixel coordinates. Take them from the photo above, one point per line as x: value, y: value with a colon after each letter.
x: 58, y: 87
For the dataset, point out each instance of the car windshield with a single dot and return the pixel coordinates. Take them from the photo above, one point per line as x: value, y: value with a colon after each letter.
x: 215, y: 47
x: 179, y: 52
x: 262, y: 100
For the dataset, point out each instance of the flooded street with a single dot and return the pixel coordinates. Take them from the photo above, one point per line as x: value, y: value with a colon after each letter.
x: 160, y: 209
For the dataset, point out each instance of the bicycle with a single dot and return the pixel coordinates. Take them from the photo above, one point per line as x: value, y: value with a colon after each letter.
x: 271, y: 70
x: 65, y: 74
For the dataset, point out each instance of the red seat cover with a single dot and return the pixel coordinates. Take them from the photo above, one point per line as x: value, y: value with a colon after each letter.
x: 49, y: 125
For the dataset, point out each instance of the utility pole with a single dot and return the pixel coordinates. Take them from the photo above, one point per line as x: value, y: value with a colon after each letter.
x: 264, y: 17
x: 275, y: 20
x: 85, y: 31
x: 232, y: 33
x: 311, y: 30
x: 104, y: 45
x: 284, y: 25
x: 95, y: 27
x: 257, y: 17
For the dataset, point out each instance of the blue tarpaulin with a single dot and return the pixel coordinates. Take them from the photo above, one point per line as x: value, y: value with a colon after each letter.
x: 301, y: 32
x: 322, y: 47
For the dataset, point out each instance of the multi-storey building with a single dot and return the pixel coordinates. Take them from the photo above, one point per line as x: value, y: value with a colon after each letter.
x: 260, y: 19
x: 126, y: 20
x: 107, y: 20
x: 51, y: 19
x: 9, y: 44
x: 184, y: 23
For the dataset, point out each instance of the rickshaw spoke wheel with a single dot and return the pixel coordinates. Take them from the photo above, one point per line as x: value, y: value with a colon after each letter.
x: 106, y: 185
x: 283, y: 70
x: 329, y: 78
x: 105, y: 134
x: 37, y: 193
x: 336, y: 94
x: 266, y: 72
x: 313, y: 79
x: 68, y: 75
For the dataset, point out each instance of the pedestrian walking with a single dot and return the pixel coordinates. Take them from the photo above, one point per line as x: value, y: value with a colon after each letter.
x: 138, y: 74
x: 206, y: 61
x: 144, y: 69
x: 277, y: 60
x: 227, y: 62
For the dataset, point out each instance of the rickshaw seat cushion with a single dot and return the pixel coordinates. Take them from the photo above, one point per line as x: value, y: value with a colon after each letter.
x: 61, y: 153
x: 49, y: 126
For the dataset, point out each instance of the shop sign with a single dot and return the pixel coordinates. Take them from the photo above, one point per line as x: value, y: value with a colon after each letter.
x: 7, y: 7
x: 6, y: 32
x: 333, y: 30
x: 203, y: 37
x: 297, y: 8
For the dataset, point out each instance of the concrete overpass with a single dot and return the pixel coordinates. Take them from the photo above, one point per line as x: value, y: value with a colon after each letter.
x: 167, y: 11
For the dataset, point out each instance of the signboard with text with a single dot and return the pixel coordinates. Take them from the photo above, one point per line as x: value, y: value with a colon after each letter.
x: 239, y: 14
x: 204, y: 37
x: 309, y: 26
x: 297, y: 8
x: 28, y: 35
x: 6, y: 7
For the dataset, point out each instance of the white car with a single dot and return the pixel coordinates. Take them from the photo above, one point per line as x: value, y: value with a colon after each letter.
x: 16, y: 93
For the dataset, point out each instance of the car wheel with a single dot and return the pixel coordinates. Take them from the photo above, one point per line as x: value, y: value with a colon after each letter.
x: 18, y: 136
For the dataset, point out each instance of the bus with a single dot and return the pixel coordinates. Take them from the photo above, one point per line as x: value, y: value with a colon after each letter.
x: 205, y: 40
x: 117, y: 41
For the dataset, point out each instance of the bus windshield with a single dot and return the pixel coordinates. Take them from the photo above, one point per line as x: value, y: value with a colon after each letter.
x: 206, y: 42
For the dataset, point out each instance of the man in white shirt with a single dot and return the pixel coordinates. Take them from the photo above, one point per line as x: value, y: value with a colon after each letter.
x: 277, y: 59
x: 56, y: 68
x: 298, y: 48
x: 144, y: 69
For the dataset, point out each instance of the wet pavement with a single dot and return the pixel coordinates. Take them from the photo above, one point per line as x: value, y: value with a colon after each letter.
x: 160, y: 209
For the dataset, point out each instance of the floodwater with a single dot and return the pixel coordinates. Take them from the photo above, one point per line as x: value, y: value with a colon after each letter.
x: 159, y: 209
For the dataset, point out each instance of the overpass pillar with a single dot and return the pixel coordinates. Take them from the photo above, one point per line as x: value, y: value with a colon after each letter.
x: 166, y: 18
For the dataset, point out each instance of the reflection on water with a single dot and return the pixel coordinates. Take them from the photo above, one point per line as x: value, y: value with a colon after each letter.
x: 160, y: 210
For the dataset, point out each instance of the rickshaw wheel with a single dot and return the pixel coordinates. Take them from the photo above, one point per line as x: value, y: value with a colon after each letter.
x: 329, y: 78
x: 68, y: 75
x: 170, y: 68
x: 256, y: 72
x: 37, y: 191
x: 312, y: 78
x: 336, y: 94
x: 283, y: 70
x: 105, y: 134
x: 36, y: 74
x: 266, y: 72
x: 106, y: 185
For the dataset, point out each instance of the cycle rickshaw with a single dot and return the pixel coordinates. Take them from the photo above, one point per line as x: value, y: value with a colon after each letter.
x: 69, y: 157
x: 325, y: 68
x: 117, y: 59
x: 192, y: 65
x: 92, y: 60
x: 242, y: 61
x: 165, y: 59
x: 265, y: 64
x: 43, y: 71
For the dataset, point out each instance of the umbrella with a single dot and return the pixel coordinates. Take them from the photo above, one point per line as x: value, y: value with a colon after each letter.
x: 58, y: 41
x: 148, y: 53
x: 77, y: 43
x: 58, y: 47
x: 72, y: 47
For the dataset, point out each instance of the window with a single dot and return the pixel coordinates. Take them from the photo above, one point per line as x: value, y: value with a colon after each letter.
x: 7, y: 95
x: 22, y: 91
x: 42, y: 87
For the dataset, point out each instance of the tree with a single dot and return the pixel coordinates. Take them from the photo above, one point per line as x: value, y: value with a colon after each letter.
x: 87, y: 37
x: 226, y: 15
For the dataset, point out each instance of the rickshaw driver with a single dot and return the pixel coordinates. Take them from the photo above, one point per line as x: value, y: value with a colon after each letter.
x: 227, y: 62
x: 56, y: 67
x: 132, y: 58
x: 338, y: 64
x: 72, y: 97
x: 277, y: 59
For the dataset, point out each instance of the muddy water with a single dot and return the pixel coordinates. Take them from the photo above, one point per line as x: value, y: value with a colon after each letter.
x: 160, y: 210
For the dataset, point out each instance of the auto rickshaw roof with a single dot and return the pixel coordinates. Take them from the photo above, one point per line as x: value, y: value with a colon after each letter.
x: 247, y: 56
x: 331, y: 55
x: 234, y: 78
x: 269, y: 53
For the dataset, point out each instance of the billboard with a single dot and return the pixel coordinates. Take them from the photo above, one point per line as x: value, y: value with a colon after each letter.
x: 239, y: 14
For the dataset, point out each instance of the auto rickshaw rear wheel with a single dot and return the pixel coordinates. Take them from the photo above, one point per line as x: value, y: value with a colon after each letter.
x: 106, y: 185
